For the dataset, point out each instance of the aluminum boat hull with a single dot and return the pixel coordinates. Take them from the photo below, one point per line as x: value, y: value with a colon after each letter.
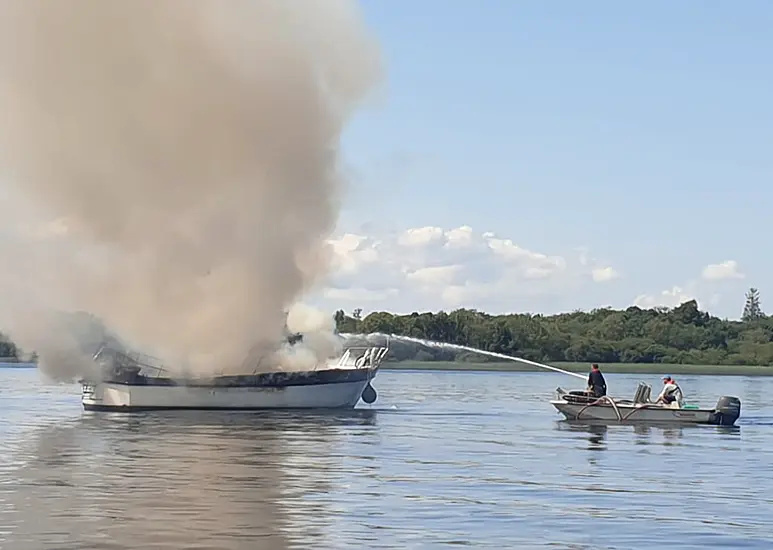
x: 582, y: 405
x: 635, y: 413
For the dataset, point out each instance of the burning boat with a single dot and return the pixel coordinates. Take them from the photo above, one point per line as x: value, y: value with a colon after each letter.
x: 129, y: 382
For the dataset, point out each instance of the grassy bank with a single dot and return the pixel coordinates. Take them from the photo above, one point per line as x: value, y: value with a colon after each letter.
x: 622, y: 368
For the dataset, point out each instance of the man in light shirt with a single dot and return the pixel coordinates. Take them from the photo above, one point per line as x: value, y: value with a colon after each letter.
x: 671, y: 395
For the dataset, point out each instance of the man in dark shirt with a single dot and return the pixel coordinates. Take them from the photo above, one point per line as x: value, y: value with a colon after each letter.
x: 596, y: 382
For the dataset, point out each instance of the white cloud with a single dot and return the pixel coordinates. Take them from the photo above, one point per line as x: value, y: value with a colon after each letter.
x: 434, y: 268
x: 718, y: 287
x: 360, y: 294
x: 722, y: 271
x: 459, y: 237
x: 420, y: 236
x: 351, y: 252
x: 439, y: 275
x: 603, y: 274
x: 672, y: 297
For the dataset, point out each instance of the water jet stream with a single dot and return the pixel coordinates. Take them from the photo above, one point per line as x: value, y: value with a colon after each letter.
x: 431, y: 343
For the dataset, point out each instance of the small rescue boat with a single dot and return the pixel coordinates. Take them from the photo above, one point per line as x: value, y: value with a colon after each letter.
x: 583, y: 405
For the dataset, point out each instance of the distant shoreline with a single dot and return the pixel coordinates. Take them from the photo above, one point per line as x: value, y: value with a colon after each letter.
x: 582, y: 368
x: 512, y: 366
x: 17, y: 365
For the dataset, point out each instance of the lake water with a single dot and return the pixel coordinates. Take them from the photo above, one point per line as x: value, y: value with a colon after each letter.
x: 441, y: 460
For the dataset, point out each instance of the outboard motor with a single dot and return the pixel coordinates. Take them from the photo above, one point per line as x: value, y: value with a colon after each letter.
x: 727, y: 411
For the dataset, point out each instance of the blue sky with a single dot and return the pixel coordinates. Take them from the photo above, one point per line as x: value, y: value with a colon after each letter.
x: 640, y: 131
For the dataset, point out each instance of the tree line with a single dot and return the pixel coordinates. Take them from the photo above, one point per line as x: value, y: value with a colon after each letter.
x: 681, y: 335
x: 8, y: 350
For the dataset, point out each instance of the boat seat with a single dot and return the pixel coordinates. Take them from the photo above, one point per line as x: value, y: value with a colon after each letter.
x: 643, y: 393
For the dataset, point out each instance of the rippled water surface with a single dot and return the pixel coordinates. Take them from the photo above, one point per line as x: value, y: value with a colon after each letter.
x: 442, y: 459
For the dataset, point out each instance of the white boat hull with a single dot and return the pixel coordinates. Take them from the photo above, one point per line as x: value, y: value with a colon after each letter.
x: 123, y: 384
x: 108, y: 396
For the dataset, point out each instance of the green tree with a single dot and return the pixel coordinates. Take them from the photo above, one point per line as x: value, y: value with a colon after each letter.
x: 752, y: 311
x: 346, y: 324
x: 684, y: 334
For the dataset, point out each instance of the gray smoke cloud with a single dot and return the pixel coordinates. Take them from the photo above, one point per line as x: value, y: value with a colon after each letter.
x: 173, y: 169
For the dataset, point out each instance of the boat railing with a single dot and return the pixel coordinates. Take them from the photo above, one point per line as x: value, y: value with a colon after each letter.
x: 362, y: 357
x: 146, y: 365
x: 368, y: 357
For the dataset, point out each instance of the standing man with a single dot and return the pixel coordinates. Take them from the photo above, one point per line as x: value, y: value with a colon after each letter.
x: 596, y: 383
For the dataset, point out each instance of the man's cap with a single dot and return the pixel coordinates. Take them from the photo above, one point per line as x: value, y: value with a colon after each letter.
x: 667, y: 377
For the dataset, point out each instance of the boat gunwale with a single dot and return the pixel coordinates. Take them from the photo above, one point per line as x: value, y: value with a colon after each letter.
x: 626, y: 414
x: 630, y: 406
x: 130, y: 409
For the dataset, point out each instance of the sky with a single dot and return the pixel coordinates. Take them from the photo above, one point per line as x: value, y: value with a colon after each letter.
x: 551, y: 156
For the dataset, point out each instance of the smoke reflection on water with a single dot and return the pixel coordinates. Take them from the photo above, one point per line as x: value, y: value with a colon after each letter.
x: 232, y: 479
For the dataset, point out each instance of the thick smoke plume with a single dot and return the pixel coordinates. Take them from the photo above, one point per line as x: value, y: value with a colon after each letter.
x: 172, y: 168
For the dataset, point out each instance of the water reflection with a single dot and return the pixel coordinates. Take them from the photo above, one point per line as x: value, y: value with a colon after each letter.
x: 172, y: 481
x: 596, y: 433
x: 645, y: 431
